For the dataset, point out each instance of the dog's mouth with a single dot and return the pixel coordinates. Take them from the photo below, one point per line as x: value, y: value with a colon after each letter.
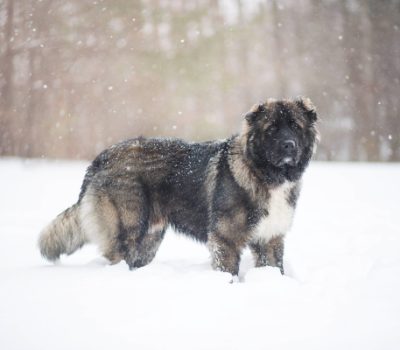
x: 287, y: 160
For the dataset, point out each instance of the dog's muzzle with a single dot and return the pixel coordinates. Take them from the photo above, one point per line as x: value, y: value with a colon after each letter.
x: 288, y: 149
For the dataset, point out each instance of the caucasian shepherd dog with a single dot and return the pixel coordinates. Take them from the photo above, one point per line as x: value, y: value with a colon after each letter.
x: 229, y: 194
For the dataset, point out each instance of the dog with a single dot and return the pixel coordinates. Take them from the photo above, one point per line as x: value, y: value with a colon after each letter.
x: 229, y: 194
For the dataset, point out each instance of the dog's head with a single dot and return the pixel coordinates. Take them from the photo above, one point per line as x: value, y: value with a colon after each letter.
x: 281, y: 133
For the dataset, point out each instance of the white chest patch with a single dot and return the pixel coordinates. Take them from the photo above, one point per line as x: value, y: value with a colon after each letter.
x: 280, y: 214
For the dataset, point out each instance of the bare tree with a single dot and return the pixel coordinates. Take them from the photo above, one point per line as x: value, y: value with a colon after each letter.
x: 78, y: 76
x: 7, y: 75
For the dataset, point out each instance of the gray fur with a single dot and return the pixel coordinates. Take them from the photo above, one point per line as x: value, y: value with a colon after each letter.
x: 229, y: 194
x: 62, y: 236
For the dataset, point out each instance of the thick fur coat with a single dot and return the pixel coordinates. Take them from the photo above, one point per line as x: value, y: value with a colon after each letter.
x: 228, y: 194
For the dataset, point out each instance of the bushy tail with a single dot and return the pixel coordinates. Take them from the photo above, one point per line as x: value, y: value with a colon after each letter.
x: 63, y: 235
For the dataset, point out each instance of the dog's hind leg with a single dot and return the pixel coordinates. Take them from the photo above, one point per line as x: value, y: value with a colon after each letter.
x: 132, y: 205
x: 148, y: 244
x: 99, y: 219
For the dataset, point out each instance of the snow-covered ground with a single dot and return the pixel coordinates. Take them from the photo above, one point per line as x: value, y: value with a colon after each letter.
x: 342, y: 290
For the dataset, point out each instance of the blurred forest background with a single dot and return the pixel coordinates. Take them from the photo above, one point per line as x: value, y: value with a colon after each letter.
x: 77, y: 76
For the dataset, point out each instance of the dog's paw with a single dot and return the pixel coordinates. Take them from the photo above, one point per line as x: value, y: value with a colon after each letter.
x: 234, y: 279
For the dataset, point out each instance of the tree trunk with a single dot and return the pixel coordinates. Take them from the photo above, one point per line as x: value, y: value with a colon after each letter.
x: 7, y: 72
x: 277, y: 27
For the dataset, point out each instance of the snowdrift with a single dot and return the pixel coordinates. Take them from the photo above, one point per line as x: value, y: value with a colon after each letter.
x: 341, y: 292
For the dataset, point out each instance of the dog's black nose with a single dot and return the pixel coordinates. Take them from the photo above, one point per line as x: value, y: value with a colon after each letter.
x: 289, y: 145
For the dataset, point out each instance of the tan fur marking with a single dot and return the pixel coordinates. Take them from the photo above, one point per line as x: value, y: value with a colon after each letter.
x: 156, y: 227
x: 273, y: 244
x: 246, y: 176
x: 233, y: 226
x: 307, y: 104
x: 99, y: 220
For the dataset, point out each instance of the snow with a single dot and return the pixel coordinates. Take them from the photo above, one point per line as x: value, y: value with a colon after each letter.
x: 342, y: 289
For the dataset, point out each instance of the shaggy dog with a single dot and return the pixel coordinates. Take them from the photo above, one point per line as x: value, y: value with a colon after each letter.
x: 228, y: 194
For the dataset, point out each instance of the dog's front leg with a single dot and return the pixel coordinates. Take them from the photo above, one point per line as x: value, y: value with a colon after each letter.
x: 269, y: 253
x: 225, y: 253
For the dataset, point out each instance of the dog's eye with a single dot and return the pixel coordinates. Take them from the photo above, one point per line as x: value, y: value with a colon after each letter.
x: 295, y: 126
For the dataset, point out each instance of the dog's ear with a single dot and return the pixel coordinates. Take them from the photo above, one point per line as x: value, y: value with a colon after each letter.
x: 308, y: 107
x: 257, y: 112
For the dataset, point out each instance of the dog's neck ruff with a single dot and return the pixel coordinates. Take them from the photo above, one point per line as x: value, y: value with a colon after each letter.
x: 259, y: 180
x: 280, y: 214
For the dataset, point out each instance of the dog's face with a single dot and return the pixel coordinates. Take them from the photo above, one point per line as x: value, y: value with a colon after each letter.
x: 281, y: 133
